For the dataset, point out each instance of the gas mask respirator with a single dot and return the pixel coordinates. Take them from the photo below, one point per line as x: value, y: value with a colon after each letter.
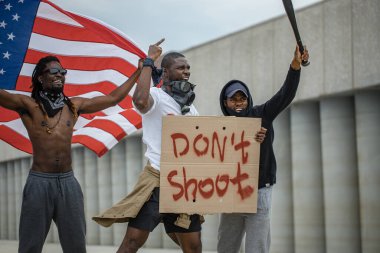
x: 183, y: 93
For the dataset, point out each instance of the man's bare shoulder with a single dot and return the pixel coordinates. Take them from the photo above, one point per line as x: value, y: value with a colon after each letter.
x: 77, y: 100
x: 23, y: 97
x: 28, y: 100
x: 28, y: 105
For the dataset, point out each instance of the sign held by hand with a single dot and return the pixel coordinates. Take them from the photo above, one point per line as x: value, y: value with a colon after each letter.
x: 209, y: 165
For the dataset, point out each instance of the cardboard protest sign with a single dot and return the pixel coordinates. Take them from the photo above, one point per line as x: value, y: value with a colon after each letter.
x: 209, y: 165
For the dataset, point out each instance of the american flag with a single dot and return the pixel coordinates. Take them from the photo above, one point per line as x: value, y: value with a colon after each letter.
x: 98, y: 58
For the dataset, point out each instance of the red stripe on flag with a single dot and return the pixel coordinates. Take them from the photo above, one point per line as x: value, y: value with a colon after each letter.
x: 90, y: 116
x: 64, y: 31
x: 112, y: 36
x: 126, y: 103
x: 93, y: 32
x: 8, y: 115
x: 85, y: 63
x: 108, y: 126
x: 15, y: 139
x: 71, y: 90
x: 24, y: 83
x: 133, y: 117
x: 96, y: 146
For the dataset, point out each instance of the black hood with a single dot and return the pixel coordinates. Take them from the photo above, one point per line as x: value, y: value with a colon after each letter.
x: 222, y: 97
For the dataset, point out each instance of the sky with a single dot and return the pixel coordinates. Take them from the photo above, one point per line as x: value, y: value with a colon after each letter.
x: 183, y: 23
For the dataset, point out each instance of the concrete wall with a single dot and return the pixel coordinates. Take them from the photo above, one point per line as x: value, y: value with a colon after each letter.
x: 339, y: 34
x: 327, y: 142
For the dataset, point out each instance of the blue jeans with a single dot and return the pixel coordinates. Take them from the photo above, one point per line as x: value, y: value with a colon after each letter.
x: 256, y: 226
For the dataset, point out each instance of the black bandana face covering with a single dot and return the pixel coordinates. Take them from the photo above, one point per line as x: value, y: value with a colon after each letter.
x: 52, y: 102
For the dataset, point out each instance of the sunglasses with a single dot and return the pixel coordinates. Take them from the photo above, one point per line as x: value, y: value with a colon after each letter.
x: 54, y: 71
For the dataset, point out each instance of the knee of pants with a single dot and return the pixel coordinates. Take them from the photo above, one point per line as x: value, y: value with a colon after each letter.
x: 77, y: 249
x: 78, y: 246
x: 32, y: 248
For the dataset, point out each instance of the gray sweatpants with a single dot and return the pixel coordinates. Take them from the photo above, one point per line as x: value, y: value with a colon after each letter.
x: 256, y: 226
x: 47, y: 197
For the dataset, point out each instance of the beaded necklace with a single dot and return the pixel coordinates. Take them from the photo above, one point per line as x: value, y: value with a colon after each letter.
x: 44, y: 123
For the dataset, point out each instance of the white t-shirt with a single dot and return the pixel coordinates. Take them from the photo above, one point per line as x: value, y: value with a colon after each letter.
x: 152, y: 123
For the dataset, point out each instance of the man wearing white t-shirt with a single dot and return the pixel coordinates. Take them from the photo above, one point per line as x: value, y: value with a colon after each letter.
x: 141, y: 207
x: 175, y: 97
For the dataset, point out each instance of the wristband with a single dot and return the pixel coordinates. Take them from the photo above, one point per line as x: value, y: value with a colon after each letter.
x: 148, y: 62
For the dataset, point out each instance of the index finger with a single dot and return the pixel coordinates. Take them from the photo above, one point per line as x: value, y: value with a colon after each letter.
x: 159, y: 42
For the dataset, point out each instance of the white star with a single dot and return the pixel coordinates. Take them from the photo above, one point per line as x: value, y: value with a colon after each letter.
x: 15, y: 17
x: 11, y: 36
x: 21, y: 1
x: 3, y: 24
x: 2, y: 71
x: 8, y: 7
x: 6, y: 55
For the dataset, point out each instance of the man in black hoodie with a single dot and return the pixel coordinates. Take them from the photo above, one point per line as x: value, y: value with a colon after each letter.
x: 236, y: 100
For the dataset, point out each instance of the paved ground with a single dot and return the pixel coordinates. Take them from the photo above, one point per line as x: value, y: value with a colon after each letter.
x: 11, y: 247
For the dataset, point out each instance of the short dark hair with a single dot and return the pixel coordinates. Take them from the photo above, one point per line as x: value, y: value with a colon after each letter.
x: 167, y: 60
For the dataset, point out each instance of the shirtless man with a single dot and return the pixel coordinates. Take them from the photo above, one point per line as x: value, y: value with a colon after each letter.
x: 51, y: 191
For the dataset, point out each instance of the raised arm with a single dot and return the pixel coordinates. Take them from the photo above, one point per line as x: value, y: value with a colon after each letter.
x: 298, y: 58
x: 142, y: 99
x: 90, y: 105
x: 14, y: 102
x: 288, y: 90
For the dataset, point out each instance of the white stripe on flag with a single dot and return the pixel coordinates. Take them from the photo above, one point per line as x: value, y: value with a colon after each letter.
x: 19, y: 92
x: 113, y: 110
x: 100, y: 135
x: 81, y: 122
x: 17, y: 126
x: 78, y: 48
x: 83, y: 77
x: 47, y: 11
x: 119, y: 120
x: 127, y: 126
x: 113, y: 29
